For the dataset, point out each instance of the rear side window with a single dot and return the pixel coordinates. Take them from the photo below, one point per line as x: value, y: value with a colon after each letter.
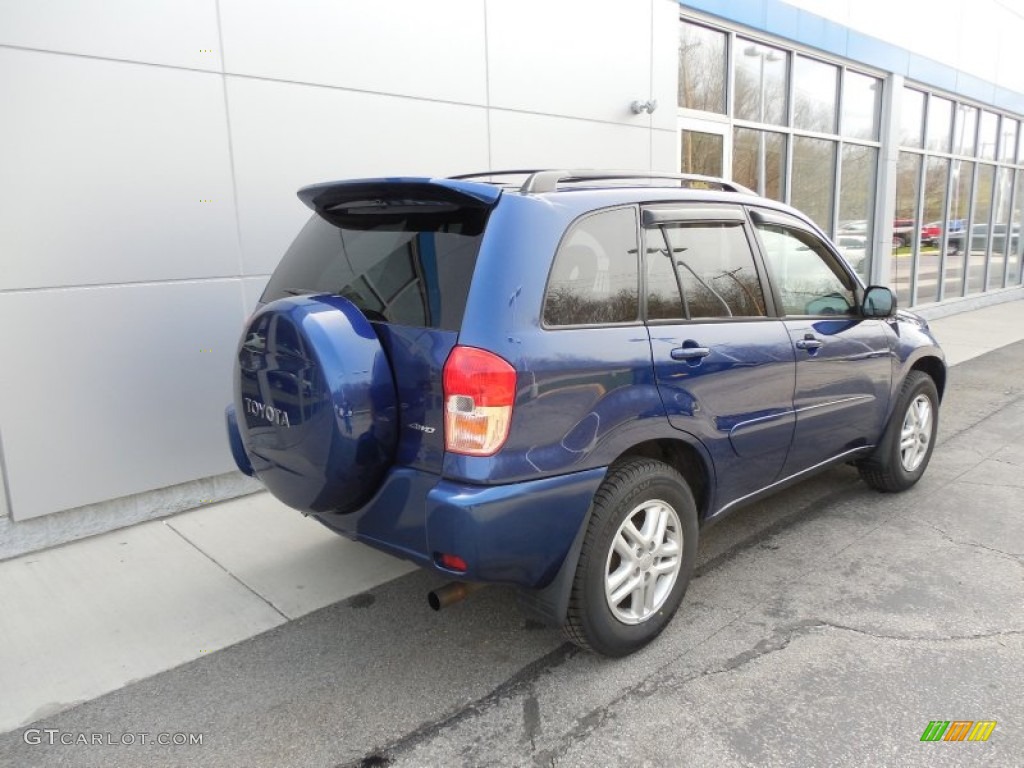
x: 709, y: 264
x: 409, y: 269
x: 595, y: 279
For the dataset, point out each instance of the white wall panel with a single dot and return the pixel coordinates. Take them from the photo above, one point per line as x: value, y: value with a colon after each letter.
x: 286, y: 136
x: 104, y: 166
x: 665, y: 151
x: 111, y: 391
x: 584, y: 58
x: 182, y: 33
x: 253, y: 289
x: 521, y: 140
x: 665, y: 62
x: 427, y: 49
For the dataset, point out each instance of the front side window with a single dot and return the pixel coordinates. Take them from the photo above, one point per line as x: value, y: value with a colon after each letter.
x: 709, y: 265
x: 595, y: 278
x: 808, y: 279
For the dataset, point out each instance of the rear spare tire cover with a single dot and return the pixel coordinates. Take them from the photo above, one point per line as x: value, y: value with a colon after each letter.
x: 316, y: 404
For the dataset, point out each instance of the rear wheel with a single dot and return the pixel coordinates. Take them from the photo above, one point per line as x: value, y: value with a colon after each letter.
x: 637, y: 558
x: 903, y: 454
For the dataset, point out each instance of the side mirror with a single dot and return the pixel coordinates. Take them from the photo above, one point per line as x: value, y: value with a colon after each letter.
x: 879, y: 301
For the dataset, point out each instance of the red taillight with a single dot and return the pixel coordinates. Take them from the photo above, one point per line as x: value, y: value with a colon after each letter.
x: 479, y: 390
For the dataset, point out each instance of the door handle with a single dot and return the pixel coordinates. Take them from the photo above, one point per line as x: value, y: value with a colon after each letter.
x: 689, y: 353
x: 809, y: 342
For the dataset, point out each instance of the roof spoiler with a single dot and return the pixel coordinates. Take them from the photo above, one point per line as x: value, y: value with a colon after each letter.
x: 332, y: 194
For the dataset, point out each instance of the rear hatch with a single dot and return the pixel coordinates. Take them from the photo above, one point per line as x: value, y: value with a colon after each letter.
x: 339, y: 373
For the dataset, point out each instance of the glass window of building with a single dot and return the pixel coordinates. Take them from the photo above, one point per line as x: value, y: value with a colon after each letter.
x: 856, y: 203
x: 987, y: 133
x: 966, y: 207
x: 911, y: 118
x: 1001, y: 235
x: 1008, y: 140
x: 1016, y: 250
x: 815, y: 93
x: 861, y: 97
x: 762, y: 82
x: 964, y: 129
x: 956, y: 226
x: 908, y: 174
x: 702, y: 153
x: 759, y: 161
x: 703, y: 68
x: 981, y: 213
x: 940, y: 124
x: 814, y: 172
x: 933, y: 213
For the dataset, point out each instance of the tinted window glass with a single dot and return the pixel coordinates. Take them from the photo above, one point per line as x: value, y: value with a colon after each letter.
x: 714, y: 267
x: 664, y: 300
x: 595, y: 278
x: 804, y: 272
x: 410, y: 269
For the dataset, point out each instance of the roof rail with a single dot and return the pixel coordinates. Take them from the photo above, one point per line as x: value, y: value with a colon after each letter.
x: 486, y: 174
x: 548, y: 181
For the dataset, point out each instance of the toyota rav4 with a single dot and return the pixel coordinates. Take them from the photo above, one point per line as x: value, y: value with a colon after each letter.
x: 554, y: 379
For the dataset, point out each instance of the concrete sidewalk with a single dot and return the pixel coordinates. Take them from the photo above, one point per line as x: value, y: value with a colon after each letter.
x: 89, y: 617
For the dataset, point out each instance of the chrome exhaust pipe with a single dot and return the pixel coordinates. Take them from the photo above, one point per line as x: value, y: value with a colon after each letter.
x: 451, y: 593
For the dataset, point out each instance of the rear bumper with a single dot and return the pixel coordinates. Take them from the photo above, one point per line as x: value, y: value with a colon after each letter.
x: 515, y: 534
x: 512, y: 534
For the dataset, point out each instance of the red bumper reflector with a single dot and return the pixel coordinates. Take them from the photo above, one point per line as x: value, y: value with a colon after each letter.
x: 452, y: 563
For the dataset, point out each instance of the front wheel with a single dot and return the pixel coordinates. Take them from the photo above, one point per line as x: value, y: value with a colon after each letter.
x: 637, y: 558
x: 903, y: 454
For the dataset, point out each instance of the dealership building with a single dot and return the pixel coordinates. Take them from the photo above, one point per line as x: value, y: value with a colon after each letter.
x: 151, y: 152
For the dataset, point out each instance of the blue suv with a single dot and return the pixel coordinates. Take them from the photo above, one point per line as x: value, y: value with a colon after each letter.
x: 554, y: 379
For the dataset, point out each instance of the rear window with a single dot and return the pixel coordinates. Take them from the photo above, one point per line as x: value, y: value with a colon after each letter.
x: 412, y: 266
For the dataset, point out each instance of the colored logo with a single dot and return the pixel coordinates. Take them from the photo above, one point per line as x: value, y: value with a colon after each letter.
x: 958, y: 730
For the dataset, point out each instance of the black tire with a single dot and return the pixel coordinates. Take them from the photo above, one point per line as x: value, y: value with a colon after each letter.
x: 591, y: 622
x: 886, y: 470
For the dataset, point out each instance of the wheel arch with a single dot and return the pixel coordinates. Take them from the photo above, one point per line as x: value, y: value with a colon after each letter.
x: 933, y: 367
x: 551, y: 603
x: 686, y: 459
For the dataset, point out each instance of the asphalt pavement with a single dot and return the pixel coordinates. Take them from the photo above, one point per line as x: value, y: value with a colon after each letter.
x: 827, y: 625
